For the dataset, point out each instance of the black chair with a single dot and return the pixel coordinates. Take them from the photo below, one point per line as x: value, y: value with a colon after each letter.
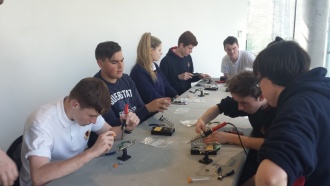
x: 14, y: 152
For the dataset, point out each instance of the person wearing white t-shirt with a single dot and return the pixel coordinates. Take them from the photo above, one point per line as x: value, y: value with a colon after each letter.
x: 236, y: 60
x: 56, y: 134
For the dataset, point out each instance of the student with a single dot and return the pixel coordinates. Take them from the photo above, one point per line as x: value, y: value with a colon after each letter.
x: 236, y: 60
x: 177, y: 65
x: 56, y: 134
x: 8, y: 169
x: 148, y: 78
x: 121, y: 87
x: 297, y: 142
x: 246, y: 100
x: 277, y: 39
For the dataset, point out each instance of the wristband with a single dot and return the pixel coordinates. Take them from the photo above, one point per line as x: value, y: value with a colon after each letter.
x: 127, y: 131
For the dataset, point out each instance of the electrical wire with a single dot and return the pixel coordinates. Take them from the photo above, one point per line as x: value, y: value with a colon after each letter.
x: 239, y: 137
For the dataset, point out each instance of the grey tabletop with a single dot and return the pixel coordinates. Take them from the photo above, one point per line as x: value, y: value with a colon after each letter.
x: 167, y: 160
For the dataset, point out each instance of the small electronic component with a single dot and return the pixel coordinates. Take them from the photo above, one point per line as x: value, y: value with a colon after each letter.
x: 210, y: 87
x: 180, y: 102
x: 200, y: 148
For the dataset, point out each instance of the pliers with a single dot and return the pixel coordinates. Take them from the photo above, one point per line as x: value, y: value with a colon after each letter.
x: 220, y: 176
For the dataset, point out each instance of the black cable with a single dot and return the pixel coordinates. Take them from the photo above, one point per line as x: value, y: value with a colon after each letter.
x: 239, y: 136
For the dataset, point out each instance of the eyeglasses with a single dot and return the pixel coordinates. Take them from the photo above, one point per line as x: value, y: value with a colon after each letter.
x: 258, y: 81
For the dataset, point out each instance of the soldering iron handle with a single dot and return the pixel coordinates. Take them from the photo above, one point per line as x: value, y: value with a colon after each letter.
x: 219, y: 126
x: 126, y: 109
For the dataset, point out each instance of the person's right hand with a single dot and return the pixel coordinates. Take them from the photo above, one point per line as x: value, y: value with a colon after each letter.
x: 200, y: 126
x: 185, y: 76
x: 8, y: 170
x: 103, y: 143
x: 158, y: 105
x: 218, y: 136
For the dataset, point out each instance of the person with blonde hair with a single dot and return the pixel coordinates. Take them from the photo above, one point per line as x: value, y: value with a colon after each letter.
x: 146, y: 74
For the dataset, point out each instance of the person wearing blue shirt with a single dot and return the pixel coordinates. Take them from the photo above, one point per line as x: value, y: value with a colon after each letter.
x: 148, y: 78
x: 123, y: 91
x: 177, y: 66
x: 297, y: 142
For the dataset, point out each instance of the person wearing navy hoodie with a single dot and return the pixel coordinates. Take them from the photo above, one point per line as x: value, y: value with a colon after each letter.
x: 146, y: 74
x: 122, y: 89
x: 177, y: 66
x: 297, y: 142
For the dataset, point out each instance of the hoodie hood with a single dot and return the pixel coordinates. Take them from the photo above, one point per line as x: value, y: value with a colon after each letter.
x: 311, y: 81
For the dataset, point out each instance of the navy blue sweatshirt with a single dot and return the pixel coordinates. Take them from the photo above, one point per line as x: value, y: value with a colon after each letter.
x: 123, y: 92
x: 298, y: 139
x: 148, y: 89
x: 172, y: 65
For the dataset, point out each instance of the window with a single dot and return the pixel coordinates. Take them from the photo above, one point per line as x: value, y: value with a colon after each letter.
x: 268, y: 19
x: 327, y: 62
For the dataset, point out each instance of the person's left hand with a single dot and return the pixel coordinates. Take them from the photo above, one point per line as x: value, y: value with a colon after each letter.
x: 158, y: 105
x: 132, y: 120
x: 202, y: 76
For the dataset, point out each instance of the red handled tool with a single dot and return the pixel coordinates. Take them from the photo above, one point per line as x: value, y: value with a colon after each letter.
x: 126, y: 109
x: 123, y: 126
x: 208, y: 132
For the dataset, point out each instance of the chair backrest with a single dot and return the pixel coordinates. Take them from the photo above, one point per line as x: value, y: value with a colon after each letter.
x: 14, y: 152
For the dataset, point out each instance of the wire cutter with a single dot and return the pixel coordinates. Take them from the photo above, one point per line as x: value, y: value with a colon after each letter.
x: 220, y: 176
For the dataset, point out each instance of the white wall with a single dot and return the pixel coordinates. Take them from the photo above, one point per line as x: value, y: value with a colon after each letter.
x: 46, y: 47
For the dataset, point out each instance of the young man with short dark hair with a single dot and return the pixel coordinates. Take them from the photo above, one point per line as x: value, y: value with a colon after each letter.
x: 297, y: 143
x: 109, y: 57
x: 55, y: 135
x: 177, y: 66
x: 246, y: 100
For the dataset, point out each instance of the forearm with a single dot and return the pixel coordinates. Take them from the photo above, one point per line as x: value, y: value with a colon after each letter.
x: 142, y: 112
x: 112, y: 119
x: 210, y: 114
x: 269, y: 174
x: 118, y: 132
x: 54, y: 170
x: 106, y: 127
x: 248, y: 142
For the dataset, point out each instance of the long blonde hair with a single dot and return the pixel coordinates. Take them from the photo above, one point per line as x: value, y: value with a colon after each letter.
x: 143, y: 58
